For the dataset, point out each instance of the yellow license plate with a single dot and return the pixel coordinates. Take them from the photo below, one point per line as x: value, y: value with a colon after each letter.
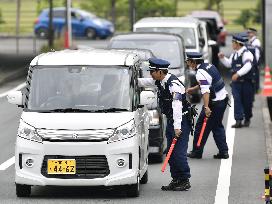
x: 61, y: 166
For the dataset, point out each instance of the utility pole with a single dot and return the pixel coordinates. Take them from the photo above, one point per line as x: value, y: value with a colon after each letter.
x: 113, y: 11
x: 18, y: 11
x: 51, y: 31
x: 132, y: 13
x: 68, y: 27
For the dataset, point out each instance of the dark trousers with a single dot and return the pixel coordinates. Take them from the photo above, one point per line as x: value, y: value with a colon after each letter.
x: 214, y: 124
x: 243, y: 93
x: 179, y: 167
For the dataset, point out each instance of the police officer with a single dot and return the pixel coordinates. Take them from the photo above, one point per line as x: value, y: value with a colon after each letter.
x: 254, y: 45
x: 215, y: 98
x: 242, y: 74
x: 172, y: 102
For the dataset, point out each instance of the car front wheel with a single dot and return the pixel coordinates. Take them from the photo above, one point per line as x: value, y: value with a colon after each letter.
x: 42, y: 33
x: 90, y: 33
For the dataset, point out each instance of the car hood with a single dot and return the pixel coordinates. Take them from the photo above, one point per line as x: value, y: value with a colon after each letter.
x: 76, y: 121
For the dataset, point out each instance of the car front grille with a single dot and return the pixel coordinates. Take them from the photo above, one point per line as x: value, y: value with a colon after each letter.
x: 87, y: 167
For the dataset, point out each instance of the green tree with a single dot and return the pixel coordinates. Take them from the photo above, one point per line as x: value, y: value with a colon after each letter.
x: 257, y: 16
x: 244, y: 18
x: 155, y: 8
x: 1, y: 18
x: 42, y: 4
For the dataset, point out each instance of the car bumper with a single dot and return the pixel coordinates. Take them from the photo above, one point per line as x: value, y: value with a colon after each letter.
x: 126, y: 150
x: 105, y: 32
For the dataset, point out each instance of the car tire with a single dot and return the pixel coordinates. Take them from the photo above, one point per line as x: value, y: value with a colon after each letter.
x: 42, y: 33
x: 23, y: 190
x: 134, y: 189
x: 144, y: 179
x: 90, y: 33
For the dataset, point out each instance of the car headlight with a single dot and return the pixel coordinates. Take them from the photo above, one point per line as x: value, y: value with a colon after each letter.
x: 155, y: 118
x: 28, y: 132
x: 123, y: 132
x: 98, y: 22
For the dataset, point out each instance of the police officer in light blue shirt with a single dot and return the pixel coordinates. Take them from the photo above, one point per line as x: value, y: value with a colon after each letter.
x: 215, y: 99
x: 172, y: 102
x: 241, y: 63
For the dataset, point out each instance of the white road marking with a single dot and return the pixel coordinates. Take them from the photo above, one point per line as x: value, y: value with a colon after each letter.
x: 223, y: 184
x: 7, y: 163
x: 14, y: 89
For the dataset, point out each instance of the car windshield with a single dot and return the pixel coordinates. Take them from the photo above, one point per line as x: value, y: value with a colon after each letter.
x: 166, y: 49
x: 187, y: 34
x: 80, y: 88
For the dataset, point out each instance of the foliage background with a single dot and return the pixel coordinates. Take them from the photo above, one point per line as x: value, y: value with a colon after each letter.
x: 238, y: 13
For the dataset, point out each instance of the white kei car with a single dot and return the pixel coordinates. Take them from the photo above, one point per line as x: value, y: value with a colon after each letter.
x: 84, y: 122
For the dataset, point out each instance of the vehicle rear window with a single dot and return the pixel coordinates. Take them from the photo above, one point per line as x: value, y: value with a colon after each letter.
x: 187, y: 34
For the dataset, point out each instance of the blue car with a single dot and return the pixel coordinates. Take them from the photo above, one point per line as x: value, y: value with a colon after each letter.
x: 84, y: 24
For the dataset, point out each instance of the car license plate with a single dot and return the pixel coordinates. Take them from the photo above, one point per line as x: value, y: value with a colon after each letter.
x: 61, y: 166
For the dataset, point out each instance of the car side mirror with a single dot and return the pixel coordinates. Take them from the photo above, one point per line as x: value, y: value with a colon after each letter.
x: 15, y: 97
x: 147, y: 98
x: 201, y: 42
x: 212, y: 43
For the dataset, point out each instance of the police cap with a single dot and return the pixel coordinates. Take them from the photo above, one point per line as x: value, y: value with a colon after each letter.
x: 239, y: 38
x: 194, y: 55
x: 244, y: 35
x: 252, y: 30
x: 156, y: 63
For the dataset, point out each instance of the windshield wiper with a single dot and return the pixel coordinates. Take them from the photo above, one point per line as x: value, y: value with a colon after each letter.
x: 66, y: 110
x: 111, y: 110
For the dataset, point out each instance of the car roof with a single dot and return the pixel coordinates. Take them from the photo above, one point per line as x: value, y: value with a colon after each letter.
x: 208, y: 14
x: 147, y: 36
x: 86, y: 57
x: 186, y: 21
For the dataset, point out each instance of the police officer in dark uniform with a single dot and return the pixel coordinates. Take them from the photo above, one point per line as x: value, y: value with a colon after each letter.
x: 172, y: 101
x: 241, y: 63
x: 215, y: 99
x: 254, y: 46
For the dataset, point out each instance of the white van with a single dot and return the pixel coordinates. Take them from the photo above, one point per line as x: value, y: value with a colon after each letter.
x: 191, y: 29
x: 84, y: 122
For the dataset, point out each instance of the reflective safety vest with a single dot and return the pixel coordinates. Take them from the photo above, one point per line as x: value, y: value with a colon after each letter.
x: 166, y: 98
x: 217, y: 80
x: 237, y: 64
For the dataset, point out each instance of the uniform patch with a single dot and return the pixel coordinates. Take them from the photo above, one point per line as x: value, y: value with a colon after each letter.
x: 203, y: 82
x: 177, y: 96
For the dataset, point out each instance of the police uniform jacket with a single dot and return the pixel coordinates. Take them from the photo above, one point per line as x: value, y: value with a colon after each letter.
x: 175, y: 87
x: 254, y: 42
x: 247, y: 59
x: 209, y: 78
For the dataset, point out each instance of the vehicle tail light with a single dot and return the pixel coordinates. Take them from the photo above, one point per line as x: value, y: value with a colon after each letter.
x: 36, y: 21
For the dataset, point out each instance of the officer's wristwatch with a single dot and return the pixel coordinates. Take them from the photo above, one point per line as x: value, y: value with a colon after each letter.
x: 206, y: 108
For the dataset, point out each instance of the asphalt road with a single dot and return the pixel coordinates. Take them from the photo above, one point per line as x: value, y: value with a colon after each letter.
x: 237, y: 180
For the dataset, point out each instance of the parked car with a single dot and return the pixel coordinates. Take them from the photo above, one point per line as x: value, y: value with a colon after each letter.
x: 84, y: 122
x: 163, y: 45
x: 192, y: 31
x: 84, y: 24
x: 216, y: 22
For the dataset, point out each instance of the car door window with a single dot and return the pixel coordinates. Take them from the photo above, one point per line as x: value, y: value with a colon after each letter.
x: 58, y: 14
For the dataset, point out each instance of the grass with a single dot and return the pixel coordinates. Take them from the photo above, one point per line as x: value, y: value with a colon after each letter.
x: 232, y: 10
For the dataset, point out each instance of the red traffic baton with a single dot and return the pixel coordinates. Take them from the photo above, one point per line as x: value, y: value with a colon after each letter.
x: 174, y: 141
x: 202, y: 132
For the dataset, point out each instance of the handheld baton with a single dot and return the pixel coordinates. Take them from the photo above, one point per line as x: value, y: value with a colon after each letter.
x: 202, y: 132
x: 174, y: 141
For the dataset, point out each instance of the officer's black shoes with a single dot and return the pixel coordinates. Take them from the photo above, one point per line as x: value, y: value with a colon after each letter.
x: 221, y: 156
x: 194, y: 155
x: 177, y: 185
x: 246, y: 123
x: 238, y: 124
